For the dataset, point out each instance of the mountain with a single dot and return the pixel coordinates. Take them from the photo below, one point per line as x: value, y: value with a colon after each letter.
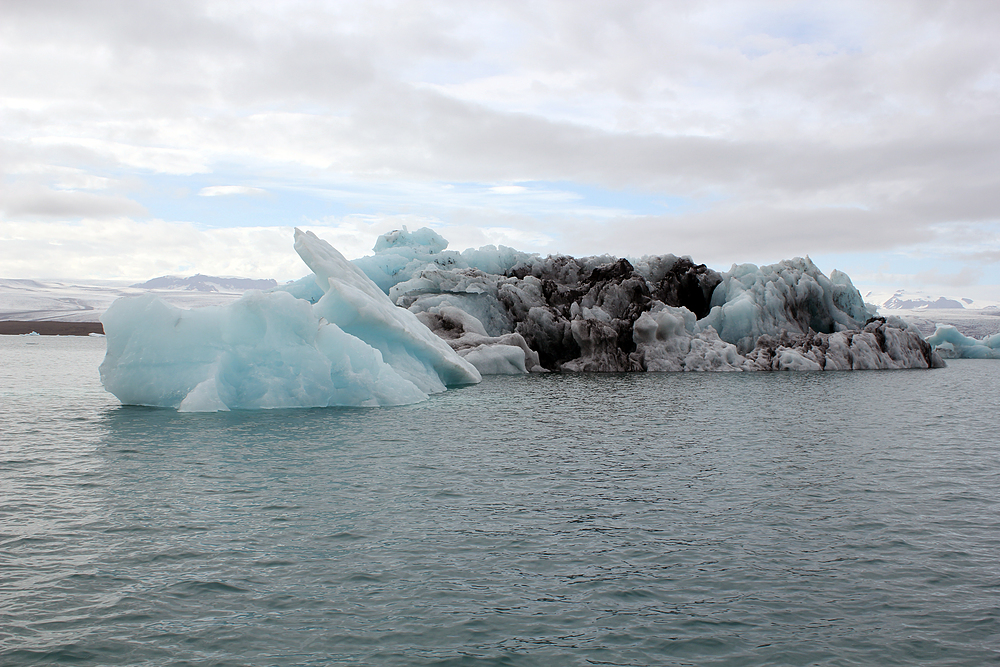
x: 899, y: 301
x: 202, y: 283
x: 69, y: 301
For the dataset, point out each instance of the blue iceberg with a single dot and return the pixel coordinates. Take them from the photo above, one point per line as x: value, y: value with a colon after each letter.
x: 952, y: 344
x: 273, y: 350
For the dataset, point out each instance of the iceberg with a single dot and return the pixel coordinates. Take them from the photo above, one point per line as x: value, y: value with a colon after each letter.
x: 882, y: 344
x: 352, y: 347
x: 792, y: 295
x: 952, y: 344
x: 402, y: 254
x: 414, y: 318
x: 655, y: 313
x: 359, y: 307
x: 669, y: 339
x: 506, y: 354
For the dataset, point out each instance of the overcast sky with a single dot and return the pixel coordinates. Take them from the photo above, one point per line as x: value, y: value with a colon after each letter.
x: 146, y: 138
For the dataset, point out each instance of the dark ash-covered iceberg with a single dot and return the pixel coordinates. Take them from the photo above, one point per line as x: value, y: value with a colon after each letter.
x: 508, y: 311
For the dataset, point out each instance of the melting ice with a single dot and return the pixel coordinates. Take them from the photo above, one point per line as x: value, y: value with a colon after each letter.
x: 414, y: 318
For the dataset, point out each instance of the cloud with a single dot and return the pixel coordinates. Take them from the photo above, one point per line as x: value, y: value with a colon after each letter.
x: 222, y: 190
x: 781, y: 128
x: 32, y: 202
x: 121, y: 248
x: 966, y: 277
x: 156, y: 159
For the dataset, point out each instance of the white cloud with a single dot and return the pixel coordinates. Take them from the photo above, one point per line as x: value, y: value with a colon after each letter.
x: 222, y: 190
x: 155, y: 159
x: 62, y: 178
x: 121, y: 248
x: 517, y: 238
x: 965, y: 277
x: 29, y: 201
x: 797, y: 127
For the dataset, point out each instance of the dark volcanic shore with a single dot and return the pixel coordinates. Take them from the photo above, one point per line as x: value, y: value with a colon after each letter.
x: 46, y: 328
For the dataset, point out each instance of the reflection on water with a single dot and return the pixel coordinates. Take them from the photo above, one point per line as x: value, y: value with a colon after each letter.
x: 629, y: 519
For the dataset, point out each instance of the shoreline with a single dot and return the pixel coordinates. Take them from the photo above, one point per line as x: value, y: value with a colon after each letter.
x: 50, y: 328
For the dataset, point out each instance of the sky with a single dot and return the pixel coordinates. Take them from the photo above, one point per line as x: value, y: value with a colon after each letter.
x: 140, y: 139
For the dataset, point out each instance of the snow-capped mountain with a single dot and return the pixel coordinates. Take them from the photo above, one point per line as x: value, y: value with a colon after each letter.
x: 920, y: 301
x: 972, y: 317
x: 899, y: 301
x: 39, y: 300
x: 203, y: 283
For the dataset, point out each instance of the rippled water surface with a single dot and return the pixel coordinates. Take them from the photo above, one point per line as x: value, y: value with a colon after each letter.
x: 703, y: 519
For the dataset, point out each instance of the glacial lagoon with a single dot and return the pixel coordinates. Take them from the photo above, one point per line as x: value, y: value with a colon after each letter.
x: 548, y: 519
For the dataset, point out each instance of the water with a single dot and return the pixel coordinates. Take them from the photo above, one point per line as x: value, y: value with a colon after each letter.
x: 702, y: 519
